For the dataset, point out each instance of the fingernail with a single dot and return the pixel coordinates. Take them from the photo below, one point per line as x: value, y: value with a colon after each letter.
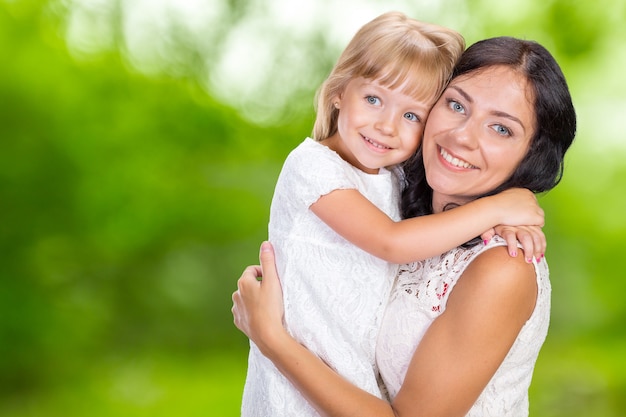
x: 485, y: 242
x: 265, y: 247
x: 513, y: 253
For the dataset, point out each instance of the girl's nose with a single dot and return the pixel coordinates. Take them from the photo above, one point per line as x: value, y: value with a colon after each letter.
x: 385, y: 123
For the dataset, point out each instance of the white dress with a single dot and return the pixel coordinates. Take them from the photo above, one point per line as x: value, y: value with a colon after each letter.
x: 334, y: 292
x: 419, y: 296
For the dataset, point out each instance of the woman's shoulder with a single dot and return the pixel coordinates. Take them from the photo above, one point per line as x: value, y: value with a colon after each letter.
x: 494, y: 258
x: 497, y: 261
x: 495, y: 275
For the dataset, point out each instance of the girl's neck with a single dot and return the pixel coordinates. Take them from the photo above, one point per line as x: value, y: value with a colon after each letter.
x: 335, y: 143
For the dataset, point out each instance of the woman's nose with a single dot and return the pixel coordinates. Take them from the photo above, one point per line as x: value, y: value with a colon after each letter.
x: 466, y: 134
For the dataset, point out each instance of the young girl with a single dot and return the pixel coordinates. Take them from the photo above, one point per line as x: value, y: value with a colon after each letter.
x: 334, y: 218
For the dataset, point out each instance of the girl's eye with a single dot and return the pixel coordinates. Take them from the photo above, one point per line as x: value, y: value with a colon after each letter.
x: 456, y: 106
x: 412, y: 117
x: 502, y: 130
x: 373, y: 100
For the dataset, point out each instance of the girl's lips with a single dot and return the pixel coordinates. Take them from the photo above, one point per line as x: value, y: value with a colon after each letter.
x: 375, y: 144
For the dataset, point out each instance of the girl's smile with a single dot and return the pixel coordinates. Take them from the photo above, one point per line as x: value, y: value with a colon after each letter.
x: 377, y: 126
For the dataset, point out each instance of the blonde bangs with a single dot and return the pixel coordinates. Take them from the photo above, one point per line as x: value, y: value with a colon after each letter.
x: 404, y: 54
x: 421, y: 72
x: 418, y: 78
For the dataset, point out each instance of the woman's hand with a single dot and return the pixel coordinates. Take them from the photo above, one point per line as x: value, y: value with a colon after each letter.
x: 532, y: 239
x: 258, y: 301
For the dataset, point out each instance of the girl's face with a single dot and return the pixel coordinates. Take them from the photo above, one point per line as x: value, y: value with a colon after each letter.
x: 377, y: 126
x: 477, y: 134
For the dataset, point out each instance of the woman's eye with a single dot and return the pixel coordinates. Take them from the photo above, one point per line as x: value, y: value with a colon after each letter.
x: 502, y: 130
x: 373, y: 100
x: 411, y: 116
x: 456, y: 106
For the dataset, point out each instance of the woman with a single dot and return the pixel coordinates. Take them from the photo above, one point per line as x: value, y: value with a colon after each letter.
x: 462, y: 331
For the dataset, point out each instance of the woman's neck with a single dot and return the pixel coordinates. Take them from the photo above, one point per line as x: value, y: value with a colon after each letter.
x: 440, y: 201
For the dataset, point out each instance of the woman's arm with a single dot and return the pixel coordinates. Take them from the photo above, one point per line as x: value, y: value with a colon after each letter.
x: 359, y: 221
x: 457, y: 357
x: 258, y: 312
x: 462, y: 349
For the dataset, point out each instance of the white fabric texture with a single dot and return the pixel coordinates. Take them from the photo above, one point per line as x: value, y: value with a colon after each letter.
x: 419, y: 296
x: 334, y: 293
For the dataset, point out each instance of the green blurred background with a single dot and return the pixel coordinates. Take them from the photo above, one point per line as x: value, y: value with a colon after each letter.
x: 140, y: 141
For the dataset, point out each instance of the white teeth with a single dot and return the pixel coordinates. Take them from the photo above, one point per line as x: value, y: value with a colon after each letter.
x: 376, y: 144
x: 454, y: 161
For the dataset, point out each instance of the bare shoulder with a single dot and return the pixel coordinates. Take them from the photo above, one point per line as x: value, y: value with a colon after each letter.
x: 497, y: 262
x: 495, y: 276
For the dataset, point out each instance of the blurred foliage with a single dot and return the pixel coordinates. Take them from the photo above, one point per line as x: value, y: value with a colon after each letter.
x: 131, y: 200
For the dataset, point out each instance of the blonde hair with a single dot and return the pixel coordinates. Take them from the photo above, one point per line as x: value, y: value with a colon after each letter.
x: 397, y: 51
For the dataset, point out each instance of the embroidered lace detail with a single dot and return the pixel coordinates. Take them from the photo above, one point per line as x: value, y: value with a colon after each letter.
x: 419, y: 296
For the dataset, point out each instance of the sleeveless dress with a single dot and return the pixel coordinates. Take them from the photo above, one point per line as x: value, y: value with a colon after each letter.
x: 334, y: 293
x: 419, y: 296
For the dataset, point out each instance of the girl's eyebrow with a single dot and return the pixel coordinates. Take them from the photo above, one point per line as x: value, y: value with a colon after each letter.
x: 495, y: 113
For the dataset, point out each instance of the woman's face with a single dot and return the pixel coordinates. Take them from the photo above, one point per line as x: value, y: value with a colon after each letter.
x: 477, y: 134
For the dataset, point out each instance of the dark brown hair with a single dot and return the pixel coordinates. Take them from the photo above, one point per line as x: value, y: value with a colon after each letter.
x: 541, y: 168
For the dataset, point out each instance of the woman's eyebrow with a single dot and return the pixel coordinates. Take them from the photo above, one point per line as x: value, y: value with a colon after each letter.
x: 510, y: 117
x: 463, y: 93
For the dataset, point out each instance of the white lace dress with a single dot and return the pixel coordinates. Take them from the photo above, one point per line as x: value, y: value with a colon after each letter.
x: 419, y: 296
x: 334, y: 293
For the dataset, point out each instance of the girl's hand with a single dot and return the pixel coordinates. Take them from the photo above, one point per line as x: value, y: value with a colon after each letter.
x: 531, y: 238
x: 258, y: 302
x: 519, y: 207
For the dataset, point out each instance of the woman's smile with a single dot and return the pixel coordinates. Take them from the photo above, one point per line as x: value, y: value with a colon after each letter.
x: 454, y: 161
x: 477, y: 133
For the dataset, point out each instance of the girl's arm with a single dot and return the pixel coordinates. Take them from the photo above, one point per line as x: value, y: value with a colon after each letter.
x: 453, y: 363
x: 359, y: 221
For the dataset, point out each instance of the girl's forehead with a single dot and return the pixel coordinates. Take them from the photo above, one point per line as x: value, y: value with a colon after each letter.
x: 410, y: 85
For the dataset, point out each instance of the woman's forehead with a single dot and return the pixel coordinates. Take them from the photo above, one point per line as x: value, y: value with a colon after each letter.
x: 497, y: 74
